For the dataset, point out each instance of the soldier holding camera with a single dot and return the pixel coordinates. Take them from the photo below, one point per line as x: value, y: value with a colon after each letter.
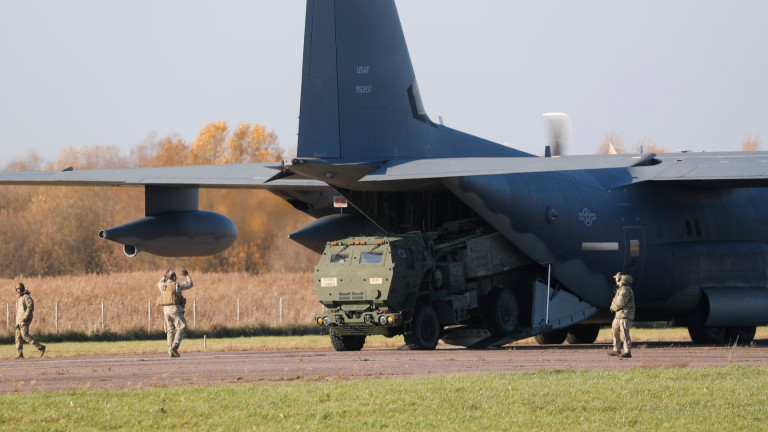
x: 173, y: 303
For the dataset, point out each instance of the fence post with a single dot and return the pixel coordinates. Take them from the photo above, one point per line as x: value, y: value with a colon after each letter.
x: 238, y: 311
x: 57, y: 317
x: 194, y: 314
x: 281, y: 311
x: 102, y: 316
x: 149, y: 316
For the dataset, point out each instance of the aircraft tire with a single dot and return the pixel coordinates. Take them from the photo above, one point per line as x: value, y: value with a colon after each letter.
x: 424, y: 332
x: 583, y: 334
x: 554, y: 337
x: 346, y: 343
x: 706, y: 335
x: 501, y: 312
x: 741, y: 335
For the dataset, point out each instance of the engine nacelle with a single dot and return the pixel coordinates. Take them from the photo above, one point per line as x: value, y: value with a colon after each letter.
x: 175, y: 234
x: 328, y: 228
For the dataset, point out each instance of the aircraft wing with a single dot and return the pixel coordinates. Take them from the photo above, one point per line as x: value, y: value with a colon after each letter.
x: 247, y: 176
x: 418, y: 169
x: 727, y: 169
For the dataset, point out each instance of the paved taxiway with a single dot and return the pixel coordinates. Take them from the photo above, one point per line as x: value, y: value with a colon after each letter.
x: 243, y: 367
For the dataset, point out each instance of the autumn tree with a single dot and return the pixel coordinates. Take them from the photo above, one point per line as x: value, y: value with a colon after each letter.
x: 52, y: 230
x: 751, y: 143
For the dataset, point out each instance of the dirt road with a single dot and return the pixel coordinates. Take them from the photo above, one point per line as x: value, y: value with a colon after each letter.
x: 220, y: 368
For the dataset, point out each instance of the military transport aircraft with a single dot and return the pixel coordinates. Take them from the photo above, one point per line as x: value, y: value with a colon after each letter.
x: 687, y: 226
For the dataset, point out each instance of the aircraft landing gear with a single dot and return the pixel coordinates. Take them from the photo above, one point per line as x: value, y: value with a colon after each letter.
x: 741, y: 335
x: 555, y: 337
x: 583, y: 334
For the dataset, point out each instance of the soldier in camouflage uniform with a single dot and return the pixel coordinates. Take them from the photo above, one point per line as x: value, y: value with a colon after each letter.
x: 623, y: 305
x: 173, y: 303
x: 25, y: 308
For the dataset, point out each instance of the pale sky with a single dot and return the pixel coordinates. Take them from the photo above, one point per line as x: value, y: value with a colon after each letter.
x: 685, y: 75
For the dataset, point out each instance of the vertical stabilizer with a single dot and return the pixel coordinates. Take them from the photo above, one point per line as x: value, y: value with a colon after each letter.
x: 359, y: 96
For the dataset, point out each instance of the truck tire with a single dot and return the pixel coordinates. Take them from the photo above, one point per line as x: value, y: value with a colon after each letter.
x: 424, y: 329
x: 501, y: 312
x: 346, y: 343
x: 582, y: 334
x: 554, y: 337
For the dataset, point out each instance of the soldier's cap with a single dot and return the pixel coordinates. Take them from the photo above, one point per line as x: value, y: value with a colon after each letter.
x: 20, y: 285
x: 172, y: 276
x: 626, y: 280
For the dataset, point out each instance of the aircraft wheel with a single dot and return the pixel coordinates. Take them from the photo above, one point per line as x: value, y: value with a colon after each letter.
x: 424, y: 330
x: 741, y: 335
x: 501, y: 312
x: 346, y: 343
x: 583, y: 334
x: 555, y: 337
x: 706, y: 335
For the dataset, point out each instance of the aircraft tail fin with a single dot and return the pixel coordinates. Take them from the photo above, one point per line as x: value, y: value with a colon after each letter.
x: 359, y: 95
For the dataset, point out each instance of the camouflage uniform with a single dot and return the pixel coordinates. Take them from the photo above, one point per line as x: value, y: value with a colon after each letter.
x: 623, y: 305
x: 173, y: 315
x: 25, y: 308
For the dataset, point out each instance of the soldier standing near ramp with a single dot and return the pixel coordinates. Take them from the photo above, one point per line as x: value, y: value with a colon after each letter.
x: 623, y: 305
x: 25, y: 308
x: 173, y: 309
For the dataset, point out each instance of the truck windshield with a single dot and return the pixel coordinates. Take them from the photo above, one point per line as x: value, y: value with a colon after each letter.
x: 339, y: 258
x: 371, y: 258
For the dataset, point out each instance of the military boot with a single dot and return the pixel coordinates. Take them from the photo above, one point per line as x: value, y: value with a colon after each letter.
x: 613, y: 353
x: 19, y: 356
x: 175, y: 352
x: 42, y: 350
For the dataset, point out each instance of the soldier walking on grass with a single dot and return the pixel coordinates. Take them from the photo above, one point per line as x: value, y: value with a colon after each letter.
x: 173, y: 303
x: 623, y: 305
x: 25, y: 308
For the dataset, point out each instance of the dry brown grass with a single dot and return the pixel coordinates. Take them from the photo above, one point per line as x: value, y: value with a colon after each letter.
x: 126, y: 297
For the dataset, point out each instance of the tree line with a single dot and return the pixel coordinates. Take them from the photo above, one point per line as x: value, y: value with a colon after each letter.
x: 48, y: 231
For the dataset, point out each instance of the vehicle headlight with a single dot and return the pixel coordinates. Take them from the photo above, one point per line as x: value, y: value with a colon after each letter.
x: 326, y: 320
x: 382, y: 320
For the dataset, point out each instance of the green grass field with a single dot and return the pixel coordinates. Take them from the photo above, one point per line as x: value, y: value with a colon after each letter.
x: 717, y: 399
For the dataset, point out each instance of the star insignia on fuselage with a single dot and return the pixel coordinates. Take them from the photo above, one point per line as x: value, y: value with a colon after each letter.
x: 587, y: 217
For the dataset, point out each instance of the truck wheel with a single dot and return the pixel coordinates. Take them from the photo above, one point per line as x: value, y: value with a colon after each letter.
x: 501, y: 312
x: 583, y: 334
x: 555, y: 337
x: 425, y: 329
x: 346, y: 343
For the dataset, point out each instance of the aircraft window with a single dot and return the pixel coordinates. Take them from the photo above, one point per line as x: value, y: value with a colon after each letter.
x: 339, y: 258
x: 697, y: 226
x: 688, y: 228
x: 371, y: 258
x: 634, y: 248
